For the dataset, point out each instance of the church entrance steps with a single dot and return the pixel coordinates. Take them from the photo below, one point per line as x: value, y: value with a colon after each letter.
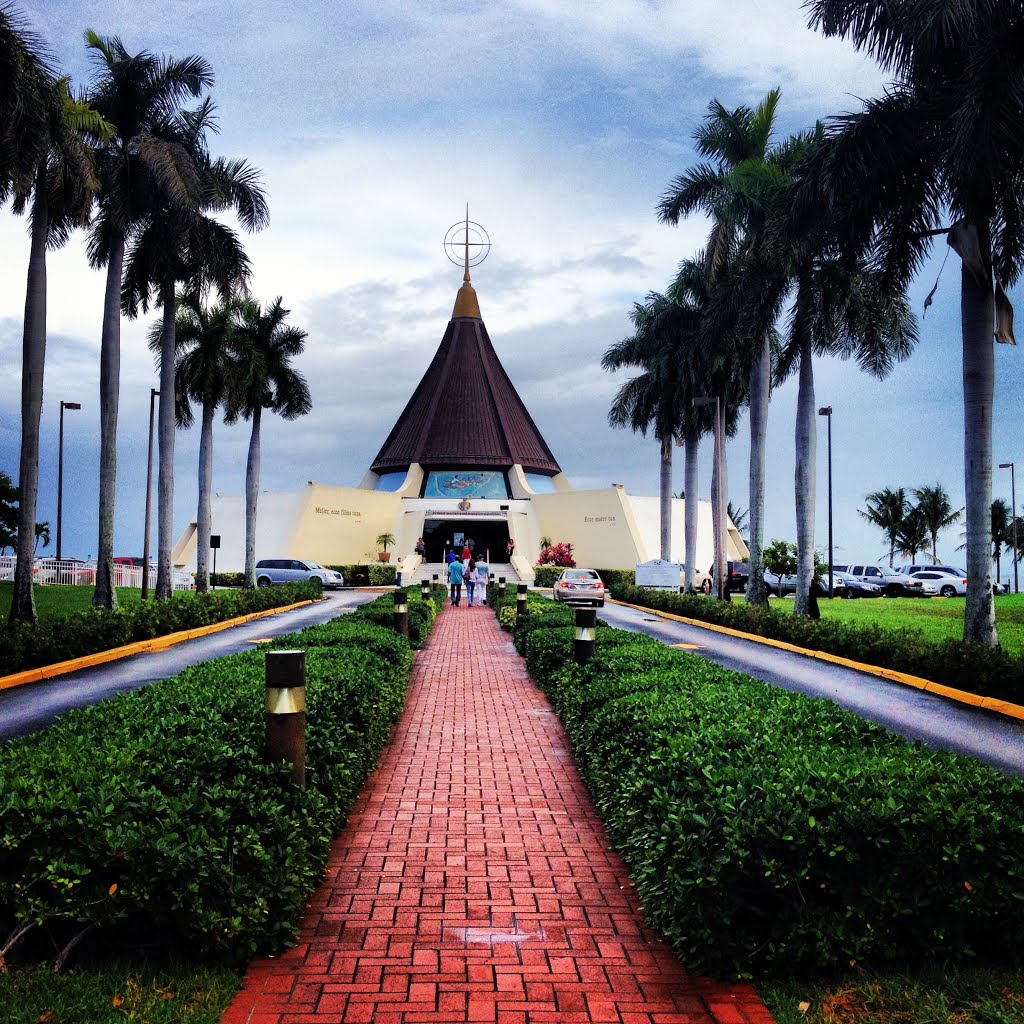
x: 427, y: 571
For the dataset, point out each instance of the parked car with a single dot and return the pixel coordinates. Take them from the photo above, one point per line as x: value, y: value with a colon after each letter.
x: 893, y: 583
x: 952, y: 570
x: 292, y: 570
x: 942, y: 583
x: 736, y: 576
x: 949, y: 570
x: 854, y: 588
x: 579, y: 586
x: 787, y: 584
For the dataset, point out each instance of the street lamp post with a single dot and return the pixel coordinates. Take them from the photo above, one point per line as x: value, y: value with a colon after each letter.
x: 721, y: 586
x: 153, y: 395
x: 827, y: 412
x: 60, y: 471
x: 1013, y: 501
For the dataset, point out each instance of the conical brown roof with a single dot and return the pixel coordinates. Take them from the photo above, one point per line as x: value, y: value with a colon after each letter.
x: 465, y: 411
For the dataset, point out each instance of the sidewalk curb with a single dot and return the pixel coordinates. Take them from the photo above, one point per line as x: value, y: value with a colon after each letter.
x: 157, y: 643
x: 1001, y: 707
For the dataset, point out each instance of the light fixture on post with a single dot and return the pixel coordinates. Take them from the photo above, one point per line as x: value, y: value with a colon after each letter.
x: 1013, y: 519
x: 60, y: 472
x: 826, y: 410
x: 721, y: 586
x: 153, y: 395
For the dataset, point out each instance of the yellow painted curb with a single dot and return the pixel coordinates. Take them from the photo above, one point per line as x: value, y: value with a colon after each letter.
x: 157, y: 643
x: 963, y: 696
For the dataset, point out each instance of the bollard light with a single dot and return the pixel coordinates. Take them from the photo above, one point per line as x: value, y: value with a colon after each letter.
x: 501, y: 585
x: 401, y: 615
x: 285, y: 710
x: 521, y: 599
x: 586, y: 634
x: 424, y: 589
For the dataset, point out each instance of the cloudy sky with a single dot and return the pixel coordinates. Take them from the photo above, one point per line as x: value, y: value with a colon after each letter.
x: 374, y: 124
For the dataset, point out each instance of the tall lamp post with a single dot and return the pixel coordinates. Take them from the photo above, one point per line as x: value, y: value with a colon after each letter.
x: 153, y: 395
x: 826, y: 411
x: 60, y: 471
x: 721, y: 587
x: 1013, y: 500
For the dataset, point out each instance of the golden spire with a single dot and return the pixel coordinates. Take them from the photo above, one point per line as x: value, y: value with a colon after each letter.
x: 466, y: 302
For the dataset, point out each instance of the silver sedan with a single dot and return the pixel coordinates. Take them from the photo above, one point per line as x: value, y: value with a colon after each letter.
x: 579, y: 586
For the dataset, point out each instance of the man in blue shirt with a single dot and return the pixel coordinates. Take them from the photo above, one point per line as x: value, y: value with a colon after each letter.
x: 455, y: 575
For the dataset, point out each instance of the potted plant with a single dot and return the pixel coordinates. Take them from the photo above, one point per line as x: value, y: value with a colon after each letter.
x: 384, y: 540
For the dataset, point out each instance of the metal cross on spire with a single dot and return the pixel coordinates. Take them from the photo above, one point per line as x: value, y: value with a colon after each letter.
x: 462, y: 236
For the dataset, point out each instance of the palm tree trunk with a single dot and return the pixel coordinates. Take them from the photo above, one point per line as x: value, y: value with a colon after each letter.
x: 203, y: 521
x: 723, y: 505
x: 110, y: 384
x: 806, y: 451
x: 165, y: 432
x: 666, y: 498
x: 33, y: 359
x: 252, y: 493
x: 977, y: 326
x: 760, y: 379
x: 690, y: 473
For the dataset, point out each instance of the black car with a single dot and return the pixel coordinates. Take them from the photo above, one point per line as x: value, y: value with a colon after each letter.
x: 736, y: 576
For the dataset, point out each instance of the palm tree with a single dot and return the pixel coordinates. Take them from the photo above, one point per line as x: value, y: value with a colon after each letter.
x: 178, y: 243
x: 59, y: 194
x: 738, y: 516
x: 139, y: 168
x: 939, y: 153
x: 654, y: 398
x: 205, y: 371
x: 913, y: 534
x: 846, y: 311
x: 937, y: 510
x: 26, y: 78
x: 730, y: 187
x: 1001, y: 523
x: 887, y: 509
x: 268, y: 381
x: 42, y: 536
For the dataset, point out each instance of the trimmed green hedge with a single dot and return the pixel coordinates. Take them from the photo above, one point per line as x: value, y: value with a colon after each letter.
x: 769, y: 831
x: 28, y: 645
x: 372, y: 574
x: 154, y: 812
x: 967, y: 666
x: 421, y: 613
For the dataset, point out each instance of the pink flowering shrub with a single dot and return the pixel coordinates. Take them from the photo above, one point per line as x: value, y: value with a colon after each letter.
x: 557, y: 554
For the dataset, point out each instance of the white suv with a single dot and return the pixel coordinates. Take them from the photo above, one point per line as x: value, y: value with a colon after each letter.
x: 293, y: 570
x: 892, y: 582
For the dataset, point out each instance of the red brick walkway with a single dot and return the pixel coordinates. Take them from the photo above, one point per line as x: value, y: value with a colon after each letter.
x: 474, y: 881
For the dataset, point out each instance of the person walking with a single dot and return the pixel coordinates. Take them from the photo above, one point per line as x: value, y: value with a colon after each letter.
x: 510, y: 548
x: 483, y: 572
x: 456, y: 574
x: 470, y: 578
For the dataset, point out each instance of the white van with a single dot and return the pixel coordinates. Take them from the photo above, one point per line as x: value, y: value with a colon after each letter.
x: 293, y: 570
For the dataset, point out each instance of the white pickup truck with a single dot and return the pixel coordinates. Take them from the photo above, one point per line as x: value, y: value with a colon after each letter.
x: 892, y: 582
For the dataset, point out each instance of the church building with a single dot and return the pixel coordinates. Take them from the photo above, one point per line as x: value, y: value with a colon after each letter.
x: 474, y: 471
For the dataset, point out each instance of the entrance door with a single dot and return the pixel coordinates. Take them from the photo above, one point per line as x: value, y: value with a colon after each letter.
x: 489, y: 537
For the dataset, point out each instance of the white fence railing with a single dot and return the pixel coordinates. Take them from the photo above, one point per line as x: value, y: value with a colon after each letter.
x: 68, y: 571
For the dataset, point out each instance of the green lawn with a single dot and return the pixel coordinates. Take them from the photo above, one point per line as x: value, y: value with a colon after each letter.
x: 184, y: 994
x: 938, y: 618
x: 977, y: 995
x: 54, y: 601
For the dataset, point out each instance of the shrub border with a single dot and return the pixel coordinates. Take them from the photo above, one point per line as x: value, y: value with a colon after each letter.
x: 1002, y: 707
x: 157, y: 643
